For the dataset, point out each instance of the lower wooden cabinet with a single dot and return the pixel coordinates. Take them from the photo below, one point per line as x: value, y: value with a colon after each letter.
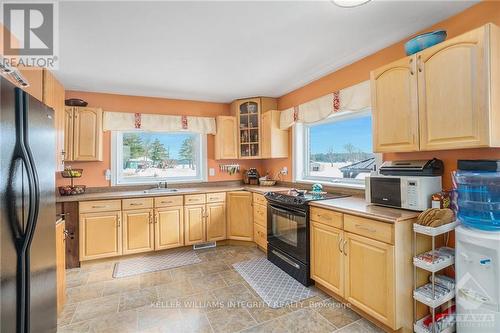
x: 327, y: 258
x: 138, y: 231
x: 169, y: 227
x: 369, y: 277
x: 194, y: 224
x: 61, y: 265
x: 239, y: 216
x: 216, y: 221
x: 100, y: 235
x: 260, y: 236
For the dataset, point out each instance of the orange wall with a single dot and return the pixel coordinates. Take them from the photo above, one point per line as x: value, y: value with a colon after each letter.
x: 482, y: 13
x: 93, y: 174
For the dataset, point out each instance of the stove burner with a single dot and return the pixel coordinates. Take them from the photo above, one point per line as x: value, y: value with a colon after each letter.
x: 299, y: 197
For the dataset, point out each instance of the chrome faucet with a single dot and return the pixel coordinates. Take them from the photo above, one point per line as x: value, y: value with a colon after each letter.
x: 160, y: 185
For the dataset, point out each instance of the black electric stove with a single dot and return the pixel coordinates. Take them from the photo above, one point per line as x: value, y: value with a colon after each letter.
x: 288, y: 230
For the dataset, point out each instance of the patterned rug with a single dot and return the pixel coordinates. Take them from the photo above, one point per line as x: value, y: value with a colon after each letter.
x: 272, y: 284
x: 154, y: 263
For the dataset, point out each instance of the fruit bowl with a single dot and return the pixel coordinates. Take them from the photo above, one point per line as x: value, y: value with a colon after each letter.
x: 72, y: 190
x: 72, y: 173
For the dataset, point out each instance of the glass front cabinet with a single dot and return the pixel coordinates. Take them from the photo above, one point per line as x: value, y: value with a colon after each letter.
x: 248, y: 113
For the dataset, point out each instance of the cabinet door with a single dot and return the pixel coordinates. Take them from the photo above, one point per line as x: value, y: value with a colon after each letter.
x: 34, y: 75
x: 274, y: 140
x: 100, y: 235
x: 169, y: 227
x: 226, y: 138
x: 395, y: 107
x: 453, y: 97
x: 68, y: 133
x: 327, y: 259
x: 216, y: 221
x: 369, y: 277
x: 138, y: 231
x: 60, y: 265
x: 87, y: 142
x: 240, y: 216
x: 194, y: 224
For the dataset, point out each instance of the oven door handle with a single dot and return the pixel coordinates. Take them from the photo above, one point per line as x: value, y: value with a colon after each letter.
x: 288, y: 211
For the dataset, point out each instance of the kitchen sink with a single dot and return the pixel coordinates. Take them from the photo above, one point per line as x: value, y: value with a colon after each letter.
x: 161, y: 190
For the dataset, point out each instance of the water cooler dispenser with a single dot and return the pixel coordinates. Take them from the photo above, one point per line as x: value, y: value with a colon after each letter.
x: 477, y: 201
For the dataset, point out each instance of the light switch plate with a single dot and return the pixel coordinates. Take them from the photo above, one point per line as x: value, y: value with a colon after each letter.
x: 211, y: 172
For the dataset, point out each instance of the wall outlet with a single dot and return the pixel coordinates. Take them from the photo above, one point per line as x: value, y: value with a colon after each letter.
x: 211, y: 172
x: 284, y: 171
x: 107, y: 174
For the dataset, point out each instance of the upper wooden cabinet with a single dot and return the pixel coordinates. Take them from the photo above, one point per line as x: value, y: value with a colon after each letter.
x: 83, y: 138
x: 274, y: 140
x: 395, y: 106
x: 239, y: 216
x: 444, y: 97
x: 454, y: 88
x: 226, y: 138
x: 249, y: 125
x: 53, y: 96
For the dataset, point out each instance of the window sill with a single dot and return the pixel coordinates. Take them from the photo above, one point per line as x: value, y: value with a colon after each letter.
x: 332, y: 184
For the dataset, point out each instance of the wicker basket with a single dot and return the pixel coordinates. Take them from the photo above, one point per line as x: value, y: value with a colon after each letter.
x: 72, y: 190
x: 267, y: 182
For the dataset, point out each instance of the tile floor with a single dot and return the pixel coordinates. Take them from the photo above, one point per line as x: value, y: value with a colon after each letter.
x: 206, y: 297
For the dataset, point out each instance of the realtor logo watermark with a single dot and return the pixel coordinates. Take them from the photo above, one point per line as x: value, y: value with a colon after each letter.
x: 30, y: 34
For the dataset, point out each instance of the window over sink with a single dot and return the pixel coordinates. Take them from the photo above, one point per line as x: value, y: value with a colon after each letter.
x: 139, y: 157
x: 336, y: 151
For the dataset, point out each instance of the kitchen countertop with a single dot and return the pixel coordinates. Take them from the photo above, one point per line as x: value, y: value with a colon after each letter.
x: 358, y: 206
x: 181, y: 191
x: 350, y: 205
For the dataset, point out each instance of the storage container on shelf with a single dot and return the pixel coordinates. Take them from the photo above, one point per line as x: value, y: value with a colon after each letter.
x: 477, y: 199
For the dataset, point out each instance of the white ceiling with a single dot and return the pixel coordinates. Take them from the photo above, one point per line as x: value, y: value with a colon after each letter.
x: 220, y: 51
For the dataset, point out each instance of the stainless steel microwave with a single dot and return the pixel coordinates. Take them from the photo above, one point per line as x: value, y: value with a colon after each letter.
x: 407, y: 192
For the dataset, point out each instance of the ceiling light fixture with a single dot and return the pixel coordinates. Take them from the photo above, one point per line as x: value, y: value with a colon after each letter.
x: 349, y: 3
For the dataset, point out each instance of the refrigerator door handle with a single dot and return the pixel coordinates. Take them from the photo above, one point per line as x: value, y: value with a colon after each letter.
x: 24, y: 237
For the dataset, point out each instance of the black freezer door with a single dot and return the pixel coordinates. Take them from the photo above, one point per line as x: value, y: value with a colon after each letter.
x: 14, y: 193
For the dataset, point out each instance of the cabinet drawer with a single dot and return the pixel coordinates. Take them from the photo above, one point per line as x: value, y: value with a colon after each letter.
x: 170, y: 201
x: 259, y: 199
x: 137, y: 203
x: 381, y: 231
x: 100, y: 206
x: 260, y: 215
x: 216, y: 197
x: 260, y: 235
x: 194, y: 199
x: 327, y: 217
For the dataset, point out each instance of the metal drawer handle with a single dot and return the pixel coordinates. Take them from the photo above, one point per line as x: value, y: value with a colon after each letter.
x: 104, y: 206
x: 288, y: 261
x: 136, y: 204
x: 360, y: 226
x: 340, y: 242
x: 166, y: 202
x: 343, y: 248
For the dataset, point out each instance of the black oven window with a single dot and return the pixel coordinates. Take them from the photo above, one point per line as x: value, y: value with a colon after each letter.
x: 286, y: 226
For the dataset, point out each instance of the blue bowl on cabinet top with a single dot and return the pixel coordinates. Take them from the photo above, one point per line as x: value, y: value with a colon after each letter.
x: 423, y: 41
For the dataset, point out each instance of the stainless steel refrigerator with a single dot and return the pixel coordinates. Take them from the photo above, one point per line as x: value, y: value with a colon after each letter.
x: 27, y: 213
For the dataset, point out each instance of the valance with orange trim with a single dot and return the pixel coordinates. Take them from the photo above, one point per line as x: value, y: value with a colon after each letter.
x: 354, y: 98
x: 125, y: 121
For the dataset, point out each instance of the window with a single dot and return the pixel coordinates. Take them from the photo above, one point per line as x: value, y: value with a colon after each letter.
x: 150, y: 157
x: 337, y: 150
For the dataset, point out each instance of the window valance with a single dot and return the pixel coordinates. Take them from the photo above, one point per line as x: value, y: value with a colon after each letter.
x: 125, y: 121
x: 354, y: 98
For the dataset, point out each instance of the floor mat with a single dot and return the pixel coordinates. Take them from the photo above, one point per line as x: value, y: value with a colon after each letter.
x: 272, y: 284
x: 153, y: 263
